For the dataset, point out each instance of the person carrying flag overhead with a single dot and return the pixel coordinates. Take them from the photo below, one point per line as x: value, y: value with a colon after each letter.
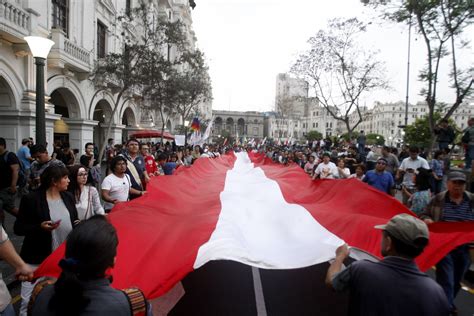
x: 395, y: 285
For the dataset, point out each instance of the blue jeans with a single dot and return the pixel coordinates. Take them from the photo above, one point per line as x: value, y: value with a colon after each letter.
x: 8, y: 311
x: 450, y: 272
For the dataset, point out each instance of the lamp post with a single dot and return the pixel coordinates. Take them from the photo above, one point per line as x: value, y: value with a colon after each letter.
x: 186, y: 124
x: 40, y: 48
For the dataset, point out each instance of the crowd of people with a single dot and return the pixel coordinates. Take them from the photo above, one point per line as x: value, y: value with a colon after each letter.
x: 65, y: 195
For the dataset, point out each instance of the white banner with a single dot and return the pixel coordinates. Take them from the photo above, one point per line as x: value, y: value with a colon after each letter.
x: 179, y: 140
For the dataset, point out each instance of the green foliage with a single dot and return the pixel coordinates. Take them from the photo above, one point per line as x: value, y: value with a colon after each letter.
x: 375, y: 139
x: 418, y: 133
x: 145, y: 70
x: 313, y: 135
x: 441, y: 24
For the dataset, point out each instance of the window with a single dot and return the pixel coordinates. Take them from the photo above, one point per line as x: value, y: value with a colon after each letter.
x: 101, y: 39
x: 255, y: 131
x: 60, y: 15
x: 314, y: 124
x: 400, y: 115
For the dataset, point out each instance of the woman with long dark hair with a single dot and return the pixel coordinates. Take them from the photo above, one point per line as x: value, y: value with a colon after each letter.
x: 83, y: 287
x: 45, y: 218
x: 85, y: 195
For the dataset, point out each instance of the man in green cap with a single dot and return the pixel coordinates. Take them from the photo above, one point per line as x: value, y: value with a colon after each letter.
x: 394, y: 285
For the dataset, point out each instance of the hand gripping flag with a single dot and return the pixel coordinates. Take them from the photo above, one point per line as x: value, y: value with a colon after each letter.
x: 245, y: 208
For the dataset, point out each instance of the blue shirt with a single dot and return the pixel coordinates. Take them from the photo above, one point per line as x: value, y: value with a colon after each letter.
x: 438, y: 167
x: 23, y: 154
x: 453, y: 212
x: 381, y: 181
x: 169, y: 167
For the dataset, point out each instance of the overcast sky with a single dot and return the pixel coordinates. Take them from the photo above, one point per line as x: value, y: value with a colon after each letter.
x: 248, y: 42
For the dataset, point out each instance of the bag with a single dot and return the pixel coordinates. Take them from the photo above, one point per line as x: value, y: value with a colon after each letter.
x: 465, y: 138
x: 137, y: 301
x: 94, y: 173
x: 22, y: 180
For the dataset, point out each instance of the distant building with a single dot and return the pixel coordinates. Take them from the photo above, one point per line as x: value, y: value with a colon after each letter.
x: 304, y: 114
x: 248, y: 124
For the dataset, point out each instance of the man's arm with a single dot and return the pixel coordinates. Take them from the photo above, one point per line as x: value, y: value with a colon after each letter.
x: 106, y: 196
x: 15, y: 169
x: 22, y: 271
x: 427, y: 215
x: 341, y: 254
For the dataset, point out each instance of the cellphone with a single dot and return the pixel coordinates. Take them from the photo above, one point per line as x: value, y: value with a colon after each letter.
x: 55, y: 223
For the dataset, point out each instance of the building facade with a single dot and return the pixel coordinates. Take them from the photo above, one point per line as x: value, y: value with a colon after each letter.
x: 237, y: 124
x: 83, y: 32
x: 304, y: 114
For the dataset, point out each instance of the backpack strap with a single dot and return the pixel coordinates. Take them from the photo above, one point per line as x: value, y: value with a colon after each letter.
x: 36, y: 291
x: 137, y: 301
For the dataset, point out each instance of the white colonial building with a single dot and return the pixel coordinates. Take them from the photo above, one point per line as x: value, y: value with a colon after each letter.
x: 305, y: 114
x: 83, y: 31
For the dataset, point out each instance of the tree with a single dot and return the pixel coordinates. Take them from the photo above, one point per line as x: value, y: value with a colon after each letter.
x: 419, y: 133
x: 159, y: 90
x: 192, y: 83
x: 375, y: 139
x: 339, y: 70
x: 313, y: 135
x: 441, y: 24
x: 124, y: 73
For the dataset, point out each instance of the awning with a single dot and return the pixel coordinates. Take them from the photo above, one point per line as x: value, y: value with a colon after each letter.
x: 150, y: 133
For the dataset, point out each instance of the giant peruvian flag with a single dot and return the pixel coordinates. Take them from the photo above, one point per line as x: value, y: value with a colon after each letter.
x: 245, y: 208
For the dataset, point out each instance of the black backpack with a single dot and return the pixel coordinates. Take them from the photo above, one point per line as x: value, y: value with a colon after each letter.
x: 21, y: 172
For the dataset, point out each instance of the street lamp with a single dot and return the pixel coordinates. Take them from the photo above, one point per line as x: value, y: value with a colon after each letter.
x: 40, y: 48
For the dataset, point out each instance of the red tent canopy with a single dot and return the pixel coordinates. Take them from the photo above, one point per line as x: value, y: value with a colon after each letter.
x: 150, y: 133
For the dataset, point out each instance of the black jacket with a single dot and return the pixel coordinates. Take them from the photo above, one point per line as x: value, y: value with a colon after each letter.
x: 34, y: 210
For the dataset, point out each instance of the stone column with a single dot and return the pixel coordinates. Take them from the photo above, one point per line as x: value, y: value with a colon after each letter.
x: 80, y: 132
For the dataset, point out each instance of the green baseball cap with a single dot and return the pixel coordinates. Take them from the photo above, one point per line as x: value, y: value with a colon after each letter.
x: 406, y: 228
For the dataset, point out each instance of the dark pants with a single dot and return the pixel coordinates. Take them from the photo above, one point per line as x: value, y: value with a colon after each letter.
x: 469, y: 156
x: 450, y: 271
x: 436, y: 185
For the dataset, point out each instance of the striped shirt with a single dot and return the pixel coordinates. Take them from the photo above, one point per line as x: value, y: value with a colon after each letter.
x: 457, y: 212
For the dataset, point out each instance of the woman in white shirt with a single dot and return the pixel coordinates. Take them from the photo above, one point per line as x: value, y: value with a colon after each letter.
x: 116, y: 187
x: 86, y: 196
x: 342, y: 171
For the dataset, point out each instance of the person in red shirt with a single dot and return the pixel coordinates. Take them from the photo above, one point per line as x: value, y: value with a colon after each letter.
x: 150, y: 163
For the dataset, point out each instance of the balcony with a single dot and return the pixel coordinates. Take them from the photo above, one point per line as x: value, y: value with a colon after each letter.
x: 15, y: 22
x: 68, y: 55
